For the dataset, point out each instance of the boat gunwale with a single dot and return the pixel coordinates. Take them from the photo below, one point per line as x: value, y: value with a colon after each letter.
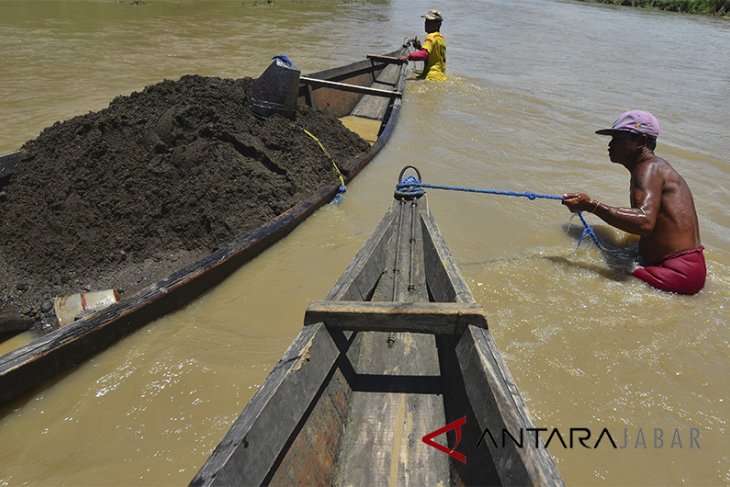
x: 540, y: 468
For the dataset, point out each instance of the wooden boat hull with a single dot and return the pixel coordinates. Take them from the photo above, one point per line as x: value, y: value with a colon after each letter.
x: 349, y: 403
x: 45, y: 357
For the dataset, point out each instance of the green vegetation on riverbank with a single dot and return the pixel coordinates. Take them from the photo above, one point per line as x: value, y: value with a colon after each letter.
x: 720, y: 8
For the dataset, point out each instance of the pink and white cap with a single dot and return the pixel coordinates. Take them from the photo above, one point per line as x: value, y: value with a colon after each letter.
x: 635, y: 121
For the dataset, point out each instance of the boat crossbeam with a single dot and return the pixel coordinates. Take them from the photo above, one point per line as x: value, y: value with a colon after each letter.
x: 385, y: 59
x: 348, y: 87
x: 417, y: 317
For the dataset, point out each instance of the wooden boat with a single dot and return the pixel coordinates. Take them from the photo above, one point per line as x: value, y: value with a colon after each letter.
x: 366, y: 94
x: 397, y: 350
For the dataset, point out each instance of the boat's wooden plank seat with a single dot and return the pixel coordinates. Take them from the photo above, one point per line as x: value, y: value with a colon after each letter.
x: 433, y: 318
x: 365, y: 90
x: 374, y: 107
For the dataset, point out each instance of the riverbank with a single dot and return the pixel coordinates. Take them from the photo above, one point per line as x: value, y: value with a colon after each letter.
x: 718, y: 8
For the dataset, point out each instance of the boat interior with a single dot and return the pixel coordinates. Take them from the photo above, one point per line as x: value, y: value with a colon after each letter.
x: 397, y: 350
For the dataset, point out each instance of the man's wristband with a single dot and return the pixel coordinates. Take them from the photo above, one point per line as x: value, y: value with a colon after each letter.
x: 594, y: 208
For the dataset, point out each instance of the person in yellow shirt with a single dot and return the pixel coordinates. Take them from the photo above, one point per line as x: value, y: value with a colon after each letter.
x: 433, y: 49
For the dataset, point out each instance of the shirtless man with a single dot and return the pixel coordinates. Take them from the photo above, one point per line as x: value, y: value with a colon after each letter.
x: 662, y: 209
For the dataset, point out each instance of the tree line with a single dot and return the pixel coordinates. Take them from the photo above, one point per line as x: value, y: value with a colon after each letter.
x: 720, y: 8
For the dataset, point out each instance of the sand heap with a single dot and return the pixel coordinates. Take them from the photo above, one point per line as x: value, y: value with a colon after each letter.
x: 121, y: 197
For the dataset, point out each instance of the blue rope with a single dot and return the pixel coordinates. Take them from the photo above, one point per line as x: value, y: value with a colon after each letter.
x: 412, y: 186
x: 588, y: 231
x: 409, y: 187
x: 527, y: 194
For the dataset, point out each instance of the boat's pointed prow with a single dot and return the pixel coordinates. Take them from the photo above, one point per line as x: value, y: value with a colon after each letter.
x: 398, y: 354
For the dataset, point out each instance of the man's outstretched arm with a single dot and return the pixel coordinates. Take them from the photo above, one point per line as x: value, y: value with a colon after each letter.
x: 640, y: 219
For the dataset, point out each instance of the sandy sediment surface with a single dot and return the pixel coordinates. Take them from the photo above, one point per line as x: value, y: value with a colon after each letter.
x: 122, y: 197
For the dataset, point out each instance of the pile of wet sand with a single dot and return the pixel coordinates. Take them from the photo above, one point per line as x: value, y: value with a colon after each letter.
x: 122, y: 197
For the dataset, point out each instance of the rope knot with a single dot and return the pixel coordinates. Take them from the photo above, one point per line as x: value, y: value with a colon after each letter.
x: 409, y: 187
x: 530, y: 195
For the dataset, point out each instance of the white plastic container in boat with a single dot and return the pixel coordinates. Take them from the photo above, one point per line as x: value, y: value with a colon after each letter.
x: 70, y: 308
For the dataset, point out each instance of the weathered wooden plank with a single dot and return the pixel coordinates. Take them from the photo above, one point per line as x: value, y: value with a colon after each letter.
x: 499, y: 406
x: 311, y: 457
x: 380, y: 446
x: 375, y: 107
x: 458, y: 406
x: 385, y: 59
x: 336, y: 102
x: 398, y: 391
x: 434, y: 318
x: 402, y: 269
x: 251, y: 447
x: 442, y: 275
x: 349, y: 71
x: 352, y: 88
x: 392, y: 111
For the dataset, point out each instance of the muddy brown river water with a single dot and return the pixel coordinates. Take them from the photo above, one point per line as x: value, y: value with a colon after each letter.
x: 529, y: 84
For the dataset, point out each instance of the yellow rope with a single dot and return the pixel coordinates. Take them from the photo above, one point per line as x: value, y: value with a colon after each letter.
x: 337, y: 169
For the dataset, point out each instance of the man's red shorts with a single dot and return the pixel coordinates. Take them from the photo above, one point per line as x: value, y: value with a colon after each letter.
x: 681, y: 273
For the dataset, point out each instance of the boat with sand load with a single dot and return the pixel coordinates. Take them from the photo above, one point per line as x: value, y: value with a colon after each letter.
x: 397, y: 350
x: 366, y: 95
